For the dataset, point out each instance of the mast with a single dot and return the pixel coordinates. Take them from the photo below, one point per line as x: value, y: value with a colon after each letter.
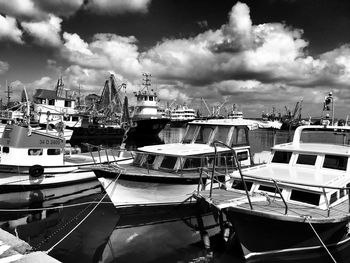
x: 146, y: 80
x: 9, y: 92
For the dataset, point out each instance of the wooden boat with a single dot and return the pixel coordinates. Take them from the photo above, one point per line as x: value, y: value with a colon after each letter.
x: 167, y: 174
x: 32, y: 159
x: 297, y: 203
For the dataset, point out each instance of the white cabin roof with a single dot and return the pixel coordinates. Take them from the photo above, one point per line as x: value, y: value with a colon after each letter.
x: 315, y: 148
x: 181, y: 149
x: 298, y: 174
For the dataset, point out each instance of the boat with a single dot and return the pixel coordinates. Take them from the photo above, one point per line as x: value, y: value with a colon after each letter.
x: 181, y: 115
x: 106, y: 117
x: 147, y: 118
x: 296, y: 204
x: 55, y: 106
x: 32, y: 159
x: 167, y: 174
x: 235, y: 113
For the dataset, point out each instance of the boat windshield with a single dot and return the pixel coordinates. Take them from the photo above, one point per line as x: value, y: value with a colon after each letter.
x: 204, y: 134
x: 190, y: 133
x: 340, y: 137
x: 222, y: 134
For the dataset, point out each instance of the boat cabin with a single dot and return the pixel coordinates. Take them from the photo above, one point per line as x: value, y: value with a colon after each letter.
x: 312, y: 170
x: 21, y: 146
x: 196, y: 149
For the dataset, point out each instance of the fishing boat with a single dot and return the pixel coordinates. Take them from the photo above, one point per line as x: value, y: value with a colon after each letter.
x: 167, y: 174
x: 33, y: 159
x: 297, y: 203
x: 146, y: 116
x: 107, y: 117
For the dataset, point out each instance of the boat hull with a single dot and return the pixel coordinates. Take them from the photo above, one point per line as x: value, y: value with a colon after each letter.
x: 147, y: 127
x: 259, y: 235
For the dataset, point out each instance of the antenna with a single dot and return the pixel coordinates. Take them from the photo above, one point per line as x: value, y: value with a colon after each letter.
x: 146, y: 80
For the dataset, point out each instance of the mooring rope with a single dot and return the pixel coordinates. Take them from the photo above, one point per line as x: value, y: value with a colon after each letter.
x: 93, y: 209
x: 319, y: 238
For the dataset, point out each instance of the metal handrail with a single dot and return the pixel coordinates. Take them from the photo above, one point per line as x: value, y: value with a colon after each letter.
x: 238, y: 167
x: 279, y: 192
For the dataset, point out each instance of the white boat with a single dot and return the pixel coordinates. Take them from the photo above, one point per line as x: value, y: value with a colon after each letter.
x: 147, y: 118
x: 181, y: 115
x: 167, y: 174
x: 32, y: 159
x: 298, y: 203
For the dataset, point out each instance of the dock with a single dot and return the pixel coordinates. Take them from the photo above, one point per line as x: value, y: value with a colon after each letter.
x: 13, y: 249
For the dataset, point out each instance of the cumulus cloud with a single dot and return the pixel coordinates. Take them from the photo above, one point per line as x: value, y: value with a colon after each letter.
x: 9, y: 30
x: 105, y: 51
x: 39, y: 9
x: 118, y: 6
x: 45, y: 33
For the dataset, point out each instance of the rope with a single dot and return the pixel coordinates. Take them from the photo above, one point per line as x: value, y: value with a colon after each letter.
x: 50, y: 208
x: 93, y: 209
x: 325, y: 247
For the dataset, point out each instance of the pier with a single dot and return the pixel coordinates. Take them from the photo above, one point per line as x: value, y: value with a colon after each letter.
x: 13, y: 249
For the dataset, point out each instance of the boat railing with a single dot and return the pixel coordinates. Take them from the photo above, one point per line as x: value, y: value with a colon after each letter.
x: 238, y: 164
x: 280, y: 184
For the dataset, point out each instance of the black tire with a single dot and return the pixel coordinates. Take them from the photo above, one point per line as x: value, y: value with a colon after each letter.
x: 36, y: 171
x: 91, y: 130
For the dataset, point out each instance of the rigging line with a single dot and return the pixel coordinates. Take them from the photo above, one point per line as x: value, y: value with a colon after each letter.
x: 52, y: 208
x: 329, y: 253
x: 93, y: 209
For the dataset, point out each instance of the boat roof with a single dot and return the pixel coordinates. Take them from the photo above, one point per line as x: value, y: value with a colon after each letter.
x: 48, y: 94
x: 298, y: 175
x: 316, y: 148
x: 182, y: 149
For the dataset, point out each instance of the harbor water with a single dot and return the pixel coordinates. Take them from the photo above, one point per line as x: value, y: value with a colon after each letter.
x: 80, y: 224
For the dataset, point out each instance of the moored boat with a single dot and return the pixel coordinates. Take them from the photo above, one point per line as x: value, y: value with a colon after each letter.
x: 297, y: 203
x: 146, y: 117
x: 33, y: 159
x: 168, y: 173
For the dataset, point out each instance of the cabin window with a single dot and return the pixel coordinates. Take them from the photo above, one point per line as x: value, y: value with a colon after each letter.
x: 51, y: 102
x: 222, y: 134
x: 5, y: 149
x: 242, y: 156
x: 138, y: 159
x: 227, y: 160
x: 192, y: 163
x: 150, y: 98
x: 238, y: 184
x: 149, y: 160
x: 168, y: 162
x: 53, y: 151
x: 305, y: 197
x: 306, y: 159
x: 335, y: 162
x: 66, y: 118
x: 342, y: 193
x: 189, y: 134
x: 239, y: 136
x: 204, y: 134
x: 75, y: 118
x: 35, y: 152
x: 270, y: 189
x: 281, y: 157
x: 333, y: 198
x: 67, y: 103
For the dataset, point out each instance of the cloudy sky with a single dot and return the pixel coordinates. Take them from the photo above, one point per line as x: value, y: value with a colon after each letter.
x: 257, y: 54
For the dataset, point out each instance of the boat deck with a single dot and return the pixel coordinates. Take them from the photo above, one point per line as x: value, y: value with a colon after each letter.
x: 222, y: 199
x: 87, y: 158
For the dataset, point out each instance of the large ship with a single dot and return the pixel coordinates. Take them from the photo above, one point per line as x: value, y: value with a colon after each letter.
x: 146, y: 118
